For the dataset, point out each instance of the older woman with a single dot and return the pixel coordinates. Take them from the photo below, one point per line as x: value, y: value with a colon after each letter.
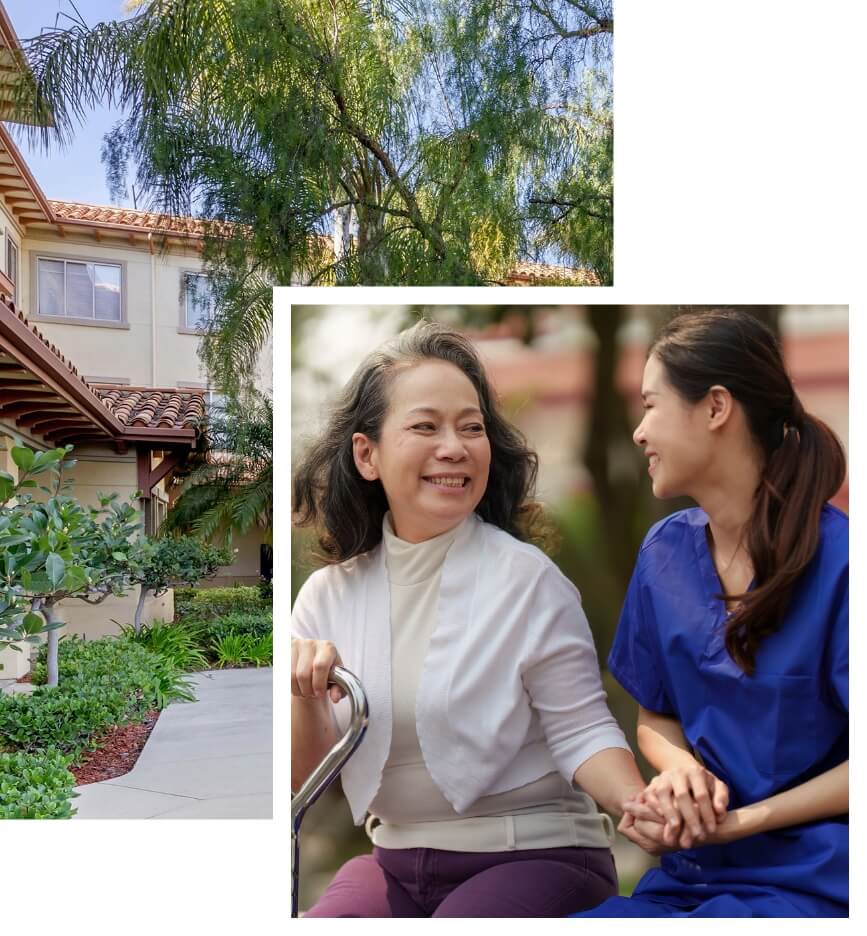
x: 489, y: 737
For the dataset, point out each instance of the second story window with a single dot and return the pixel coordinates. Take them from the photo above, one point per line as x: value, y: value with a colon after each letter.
x: 198, y: 300
x: 75, y: 289
x: 11, y: 260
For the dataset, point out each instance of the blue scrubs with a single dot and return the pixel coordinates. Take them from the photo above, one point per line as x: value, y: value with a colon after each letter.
x: 760, y: 734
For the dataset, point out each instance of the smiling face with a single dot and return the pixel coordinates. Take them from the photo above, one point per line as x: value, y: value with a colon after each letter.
x: 433, y: 455
x: 674, y: 435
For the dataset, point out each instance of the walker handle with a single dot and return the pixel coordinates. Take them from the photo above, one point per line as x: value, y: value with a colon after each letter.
x: 335, y: 760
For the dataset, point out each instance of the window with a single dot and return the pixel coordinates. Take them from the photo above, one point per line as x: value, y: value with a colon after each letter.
x: 198, y: 300
x: 81, y: 290
x: 11, y: 259
x: 215, y: 403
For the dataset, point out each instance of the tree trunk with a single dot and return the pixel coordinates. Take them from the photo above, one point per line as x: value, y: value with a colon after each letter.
x: 143, y: 593
x: 53, y: 643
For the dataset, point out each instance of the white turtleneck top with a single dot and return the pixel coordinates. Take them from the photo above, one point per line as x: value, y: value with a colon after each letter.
x: 412, y: 812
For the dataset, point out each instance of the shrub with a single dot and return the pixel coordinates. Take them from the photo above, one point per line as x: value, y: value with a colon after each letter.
x: 266, y: 592
x: 179, y: 645
x: 260, y: 650
x: 209, y: 603
x: 104, y: 682
x: 230, y: 650
x: 36, y: 786
x: 246, y: 624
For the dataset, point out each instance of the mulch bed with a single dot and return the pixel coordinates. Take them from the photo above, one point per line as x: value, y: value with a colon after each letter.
x: 117, y: 753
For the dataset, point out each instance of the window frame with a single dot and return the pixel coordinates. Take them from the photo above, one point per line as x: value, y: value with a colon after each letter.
x: 183, y: 327
x: 35, y: 315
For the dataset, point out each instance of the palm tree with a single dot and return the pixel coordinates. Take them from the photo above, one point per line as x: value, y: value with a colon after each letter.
x: 231, y: 488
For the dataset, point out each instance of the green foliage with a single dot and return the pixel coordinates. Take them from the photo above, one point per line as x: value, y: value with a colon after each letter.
x: 436, y: 141
x: 260, y: 650
x: 205, y: 604
x: 233, y: 489
x: 230, y: 650
x: 56, y: 548
x: 179, y: 560
x: 175, y: 644
x: 253, y: 624
x: 36, y: 786
x: 103, y: 682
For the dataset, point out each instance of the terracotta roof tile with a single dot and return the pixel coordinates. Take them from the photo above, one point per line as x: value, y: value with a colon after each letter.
x: 129, y: 217
x: 531, y: 274
x: 154, y: 408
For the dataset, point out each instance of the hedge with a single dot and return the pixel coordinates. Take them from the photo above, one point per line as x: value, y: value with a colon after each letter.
x: 205, y: 604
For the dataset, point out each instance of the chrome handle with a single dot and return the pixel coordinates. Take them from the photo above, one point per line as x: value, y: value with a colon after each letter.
x: 326, y: 773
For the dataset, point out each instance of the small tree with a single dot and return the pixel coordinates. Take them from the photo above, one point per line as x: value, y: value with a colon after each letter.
x: 61, y: 549
x: 172, y: 561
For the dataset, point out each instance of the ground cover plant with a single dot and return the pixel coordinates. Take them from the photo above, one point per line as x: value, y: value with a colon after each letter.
x: 107, y: 682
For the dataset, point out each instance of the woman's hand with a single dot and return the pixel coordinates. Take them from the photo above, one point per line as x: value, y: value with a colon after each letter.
x: 646, y: 833
x: 312, y: 662
x: 690, y: 800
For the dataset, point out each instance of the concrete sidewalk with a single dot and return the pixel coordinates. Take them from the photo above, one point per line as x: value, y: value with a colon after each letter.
x: 209, y: 759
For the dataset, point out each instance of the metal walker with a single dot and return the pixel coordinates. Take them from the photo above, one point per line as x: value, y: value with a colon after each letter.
x: 326, y: 773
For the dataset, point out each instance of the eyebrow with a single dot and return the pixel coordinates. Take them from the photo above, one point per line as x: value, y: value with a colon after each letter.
x: 646, y: 393
x: 431, y: 409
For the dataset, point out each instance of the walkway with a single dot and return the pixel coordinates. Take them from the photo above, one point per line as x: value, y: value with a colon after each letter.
x: 209, y: 759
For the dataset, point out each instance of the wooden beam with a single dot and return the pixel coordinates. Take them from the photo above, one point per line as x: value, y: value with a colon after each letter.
x: 32, y: 416
x: 47, y: 427
x: 21, y: 396
x: 148, y: 477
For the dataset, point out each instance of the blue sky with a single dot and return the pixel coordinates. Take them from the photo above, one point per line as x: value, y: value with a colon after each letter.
x: 76, y: 173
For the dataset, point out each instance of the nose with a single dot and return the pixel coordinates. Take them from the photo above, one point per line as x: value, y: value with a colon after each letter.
x: 638, y: 436
x: 451, y: 446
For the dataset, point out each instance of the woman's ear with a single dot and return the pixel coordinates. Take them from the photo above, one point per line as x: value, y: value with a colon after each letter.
x: 721, y: 403
x: 364, y: 454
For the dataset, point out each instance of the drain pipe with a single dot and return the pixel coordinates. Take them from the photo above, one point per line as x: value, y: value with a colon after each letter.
x: 153, y: 310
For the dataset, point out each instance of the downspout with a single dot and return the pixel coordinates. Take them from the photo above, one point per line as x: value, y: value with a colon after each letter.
x: 153, y: 310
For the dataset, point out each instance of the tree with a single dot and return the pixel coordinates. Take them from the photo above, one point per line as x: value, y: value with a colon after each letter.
x: 56, y: 548
x: 232, y: 489
x: 171, y: 561
x: 350, y: 141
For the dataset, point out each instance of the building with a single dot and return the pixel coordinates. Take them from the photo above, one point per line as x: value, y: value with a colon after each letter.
x: 99, y: 331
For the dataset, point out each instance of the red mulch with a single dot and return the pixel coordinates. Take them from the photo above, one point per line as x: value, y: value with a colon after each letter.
x: 27, y: 677
x: 117, y: 753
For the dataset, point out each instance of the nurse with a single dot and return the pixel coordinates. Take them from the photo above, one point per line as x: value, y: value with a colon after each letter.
x: 734, y: 637
x: 489, y: 736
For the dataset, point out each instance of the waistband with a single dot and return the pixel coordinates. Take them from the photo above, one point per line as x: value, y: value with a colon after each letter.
x: 496, y: 833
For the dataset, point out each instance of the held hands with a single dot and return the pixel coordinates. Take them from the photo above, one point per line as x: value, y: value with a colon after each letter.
x: 312, y: 661
x: 678, y: 809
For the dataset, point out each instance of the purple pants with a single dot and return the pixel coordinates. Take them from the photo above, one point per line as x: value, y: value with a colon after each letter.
x: 429, y: 882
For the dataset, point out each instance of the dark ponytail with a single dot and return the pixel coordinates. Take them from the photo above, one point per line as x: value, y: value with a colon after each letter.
x: 804, y: 460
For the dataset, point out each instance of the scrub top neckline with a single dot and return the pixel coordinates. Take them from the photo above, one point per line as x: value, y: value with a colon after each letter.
x: 715, y: 648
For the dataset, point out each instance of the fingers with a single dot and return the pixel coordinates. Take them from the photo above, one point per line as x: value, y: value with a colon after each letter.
x: 683, y: 797
x: 312, y: 662
x: 669, y: 812
x: 643, y: 811
x: 705, y: 816
x: 720, y: 797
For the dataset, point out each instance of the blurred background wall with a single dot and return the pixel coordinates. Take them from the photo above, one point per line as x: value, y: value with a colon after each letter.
x: 569, y: 377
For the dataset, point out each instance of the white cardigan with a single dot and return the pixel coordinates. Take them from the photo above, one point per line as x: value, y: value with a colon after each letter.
x: 510, y: 688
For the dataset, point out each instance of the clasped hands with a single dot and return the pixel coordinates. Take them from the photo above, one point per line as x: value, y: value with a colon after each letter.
x: 679, y: 808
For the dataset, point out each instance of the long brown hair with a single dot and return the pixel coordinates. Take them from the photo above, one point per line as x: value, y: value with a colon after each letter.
x: 330, y: 494
x: 804, y: 460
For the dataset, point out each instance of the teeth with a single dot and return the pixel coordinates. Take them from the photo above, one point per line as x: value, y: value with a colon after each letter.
x: 447, y: 482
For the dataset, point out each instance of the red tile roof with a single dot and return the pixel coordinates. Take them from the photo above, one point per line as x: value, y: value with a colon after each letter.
x: 129, y: 218
x: 167, y: 408
x: 540, y: 274
x: 131, y: 407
